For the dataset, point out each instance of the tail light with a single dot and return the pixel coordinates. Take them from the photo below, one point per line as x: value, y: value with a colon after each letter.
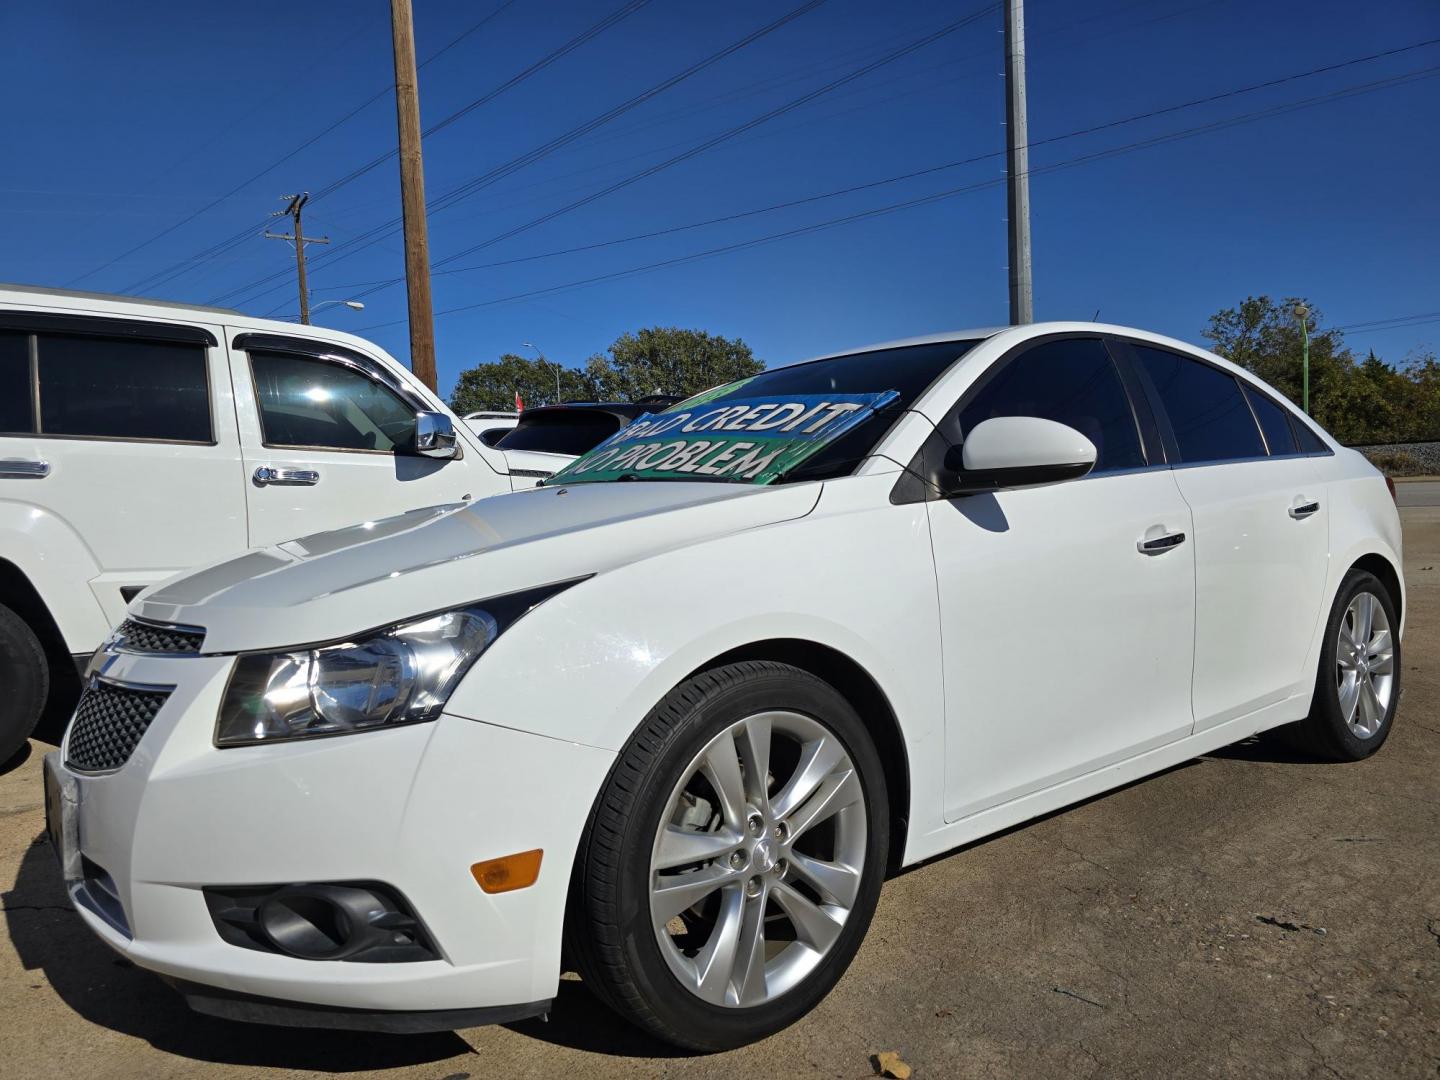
x: 1389, y: 483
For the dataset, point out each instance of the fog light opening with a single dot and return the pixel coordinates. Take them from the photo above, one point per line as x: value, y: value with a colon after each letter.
x: 306, y: 925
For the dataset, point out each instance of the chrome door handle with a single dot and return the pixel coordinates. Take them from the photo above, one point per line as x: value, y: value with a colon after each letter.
x: 1158, y: 545
x: 1304, y: 510
x: 270, y: 474
x: 21, y: 469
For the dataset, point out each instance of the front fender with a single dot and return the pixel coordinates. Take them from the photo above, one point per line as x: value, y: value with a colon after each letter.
x: 58, y: 563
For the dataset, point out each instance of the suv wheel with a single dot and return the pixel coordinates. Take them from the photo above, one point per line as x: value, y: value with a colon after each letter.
x: 25, y: 675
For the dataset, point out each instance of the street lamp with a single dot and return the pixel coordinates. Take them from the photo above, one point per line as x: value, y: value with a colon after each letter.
x: 541, y: 357
x: 353, y: 305
x: 1302, y: 313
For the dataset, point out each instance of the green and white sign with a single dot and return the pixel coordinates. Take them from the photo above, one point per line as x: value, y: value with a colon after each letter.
x: 754, y: 439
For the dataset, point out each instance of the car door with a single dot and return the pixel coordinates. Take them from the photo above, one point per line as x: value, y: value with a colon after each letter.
x: 1066, y: 642
x: 1261, y: 524
x: 124, y: 431
x: 326, y: 437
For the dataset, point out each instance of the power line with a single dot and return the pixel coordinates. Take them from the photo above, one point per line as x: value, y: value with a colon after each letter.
x: 713, y: 141
x: 476, y: 183
x: 249, y: 230
x: 1157, y: 140
x: 1089, y: 130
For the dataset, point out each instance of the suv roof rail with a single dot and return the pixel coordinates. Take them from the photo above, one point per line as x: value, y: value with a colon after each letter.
x: 78, y: 294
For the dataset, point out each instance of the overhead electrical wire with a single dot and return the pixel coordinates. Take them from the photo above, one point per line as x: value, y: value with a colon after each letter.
x: 1157, y: 140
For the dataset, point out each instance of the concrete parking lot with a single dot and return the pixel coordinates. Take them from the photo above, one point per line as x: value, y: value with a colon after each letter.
x: 1245, y: 914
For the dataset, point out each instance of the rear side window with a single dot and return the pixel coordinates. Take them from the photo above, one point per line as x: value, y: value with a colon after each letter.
x: 572, y: 432
x: 15, y: 395
x: 120, y: 388
x: 1206, y: 408
x: 1274, y: 422
x: 1071, y: 382
x: 324, y: 406
x: 1310, y: 443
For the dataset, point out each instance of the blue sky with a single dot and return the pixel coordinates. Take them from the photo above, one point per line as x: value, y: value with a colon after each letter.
x: 126, y: 119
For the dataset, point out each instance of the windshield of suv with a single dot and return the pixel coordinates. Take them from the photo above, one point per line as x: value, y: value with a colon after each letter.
x: 809, y: 421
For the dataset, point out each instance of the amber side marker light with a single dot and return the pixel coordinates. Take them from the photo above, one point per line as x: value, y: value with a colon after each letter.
x: 509, y: 872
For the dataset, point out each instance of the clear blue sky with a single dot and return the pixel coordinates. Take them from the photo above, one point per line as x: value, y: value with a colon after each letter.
x: 123, y: 119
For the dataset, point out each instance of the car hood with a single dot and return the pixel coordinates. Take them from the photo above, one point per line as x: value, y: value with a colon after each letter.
x: 335, y: 584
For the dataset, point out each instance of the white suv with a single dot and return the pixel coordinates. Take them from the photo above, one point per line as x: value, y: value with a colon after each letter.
x: 140, y: 438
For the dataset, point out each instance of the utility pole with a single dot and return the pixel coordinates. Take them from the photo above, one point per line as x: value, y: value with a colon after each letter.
x: 1302, y: 313
x: 412, y: 194
x: 1017, y: 165
x: 297, y: 236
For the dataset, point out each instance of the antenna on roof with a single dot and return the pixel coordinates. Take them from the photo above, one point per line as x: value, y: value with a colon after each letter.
x: 1096, y: 316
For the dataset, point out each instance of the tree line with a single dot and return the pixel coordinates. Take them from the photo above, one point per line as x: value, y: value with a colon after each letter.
x: 1359, y: 401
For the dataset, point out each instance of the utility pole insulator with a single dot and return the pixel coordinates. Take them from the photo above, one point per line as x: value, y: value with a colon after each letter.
x: 1017, y: 165
x: 412, y: 195
x: 299, y: 239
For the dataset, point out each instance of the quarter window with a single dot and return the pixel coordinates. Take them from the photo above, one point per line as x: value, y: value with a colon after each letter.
x: 114, y: 388
x: 1274, y: 422
x: 1206, y: 408
x: 1072, y: 382
x: 15, y: 396
x: 316, y: 404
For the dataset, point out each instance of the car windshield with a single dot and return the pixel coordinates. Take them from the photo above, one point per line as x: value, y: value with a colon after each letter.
x: 809, y: 421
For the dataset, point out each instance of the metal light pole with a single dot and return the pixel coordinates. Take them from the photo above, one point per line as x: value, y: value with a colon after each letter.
x: 1017, y: 165
x: 1303, y: 314
x: 541, y: 357
x: 353, y: 305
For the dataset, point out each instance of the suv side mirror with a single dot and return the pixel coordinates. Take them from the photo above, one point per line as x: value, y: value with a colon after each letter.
x: 1017, y: 451
x: 435, y: 435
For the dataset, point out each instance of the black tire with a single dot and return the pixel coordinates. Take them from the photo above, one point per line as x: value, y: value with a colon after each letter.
x: 1325, y: 732
x: 25, y: 677
x: 610, y: 933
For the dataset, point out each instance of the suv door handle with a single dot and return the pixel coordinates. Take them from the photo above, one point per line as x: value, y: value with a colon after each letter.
x: 21, y: 469
x: 271, y: 474
x: 1158, y: 545
x: 1304, y: 510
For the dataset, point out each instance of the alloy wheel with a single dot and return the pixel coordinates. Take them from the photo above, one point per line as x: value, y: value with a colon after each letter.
x: 758, y: 859
x: 1364, y: 665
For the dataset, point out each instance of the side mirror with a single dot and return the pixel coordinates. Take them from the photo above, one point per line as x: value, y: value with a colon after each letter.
x: 435, y: 435
x: 1017, y: 451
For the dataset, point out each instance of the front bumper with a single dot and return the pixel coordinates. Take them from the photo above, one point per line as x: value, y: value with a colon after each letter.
x: 411, y: 807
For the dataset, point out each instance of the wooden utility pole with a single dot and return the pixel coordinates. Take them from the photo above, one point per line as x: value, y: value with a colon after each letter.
x: 1017, y: 165
x: 412, y: 195
x: 297, y: 236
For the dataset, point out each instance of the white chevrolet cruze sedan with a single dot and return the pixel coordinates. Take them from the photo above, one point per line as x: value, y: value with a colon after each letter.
x: 669, y: 719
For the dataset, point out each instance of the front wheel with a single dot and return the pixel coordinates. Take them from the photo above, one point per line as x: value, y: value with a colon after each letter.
x: 25, y: 679
x: 1357, y: 688
x: 734, y: 858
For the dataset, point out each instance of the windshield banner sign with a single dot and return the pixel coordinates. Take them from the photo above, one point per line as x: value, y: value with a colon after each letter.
x: 755, y: 440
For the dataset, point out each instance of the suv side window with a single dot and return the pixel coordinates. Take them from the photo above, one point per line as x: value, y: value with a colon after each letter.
x: 315, y: 404
x: 1274, y: 423
x: 117, y: 388
x: 15, y: 395
x: 1207, y: 410
x: 1073, y: 382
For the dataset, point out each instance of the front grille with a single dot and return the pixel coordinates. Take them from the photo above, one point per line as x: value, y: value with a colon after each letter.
x: 137, y: 636
x: 109, y: 721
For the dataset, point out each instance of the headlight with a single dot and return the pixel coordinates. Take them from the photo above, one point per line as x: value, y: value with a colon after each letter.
x: 399, y: 675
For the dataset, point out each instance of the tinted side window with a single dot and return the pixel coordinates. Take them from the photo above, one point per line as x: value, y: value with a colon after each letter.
x: 572, y: 432
x: 1310, y: 443
x: 312, y: 403
x: 1207, y: 411
x: 15, y: 383
x: 1071, y: 382
x: 123, y: 389
x: 1274, y: 422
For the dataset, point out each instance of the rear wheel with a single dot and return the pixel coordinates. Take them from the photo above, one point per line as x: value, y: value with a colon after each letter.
x: 734, y: 859
x: 25, y: 679
x: 1357, y: 687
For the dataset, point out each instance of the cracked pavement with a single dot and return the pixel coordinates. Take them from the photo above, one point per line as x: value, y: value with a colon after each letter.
x: 1171, y: 928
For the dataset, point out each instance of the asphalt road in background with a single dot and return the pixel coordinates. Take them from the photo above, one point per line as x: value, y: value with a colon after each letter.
x: 1246, y: 914
x: 1421, y: 492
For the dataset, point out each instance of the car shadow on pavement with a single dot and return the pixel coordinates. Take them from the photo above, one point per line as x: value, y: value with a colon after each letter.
x: 110, y: 991
x: 581, y: 1022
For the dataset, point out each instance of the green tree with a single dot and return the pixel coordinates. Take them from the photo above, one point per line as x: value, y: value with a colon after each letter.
x: 670, y: 360
x: 494, y: 385
x: 663, y: 360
